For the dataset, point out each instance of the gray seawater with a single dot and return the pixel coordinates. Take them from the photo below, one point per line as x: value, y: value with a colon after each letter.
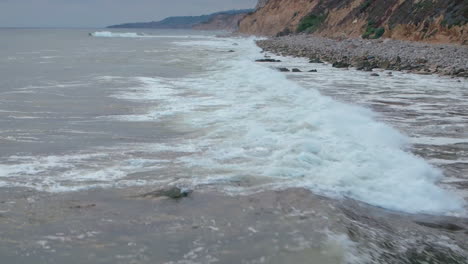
x: 54, y: 95
x: 87, y: 115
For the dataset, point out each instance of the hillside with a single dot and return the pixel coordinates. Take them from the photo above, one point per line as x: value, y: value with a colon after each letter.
x: 228, y: 22
x: 420, y: 20
x: 182, y: 22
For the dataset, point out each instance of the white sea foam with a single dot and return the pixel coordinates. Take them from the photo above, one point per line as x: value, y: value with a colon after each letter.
x: 109, y: 34
x: 254, y: 123
x: 258, y: 123
x: 74, y: 171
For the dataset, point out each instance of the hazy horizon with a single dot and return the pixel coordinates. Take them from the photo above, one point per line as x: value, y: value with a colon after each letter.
x: 102, y: 13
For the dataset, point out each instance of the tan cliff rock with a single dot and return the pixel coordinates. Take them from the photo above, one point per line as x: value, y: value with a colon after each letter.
x: 261, y: 3
x: 442, y: 21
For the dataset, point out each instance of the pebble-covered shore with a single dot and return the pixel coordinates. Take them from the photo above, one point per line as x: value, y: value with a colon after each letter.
x: 366, y: 54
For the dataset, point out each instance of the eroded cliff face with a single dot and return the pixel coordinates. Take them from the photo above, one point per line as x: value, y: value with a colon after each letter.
x: 261, y: 3
x: 442, y: 21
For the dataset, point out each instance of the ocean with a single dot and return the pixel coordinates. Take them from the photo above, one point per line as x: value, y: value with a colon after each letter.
x: 84, y: 112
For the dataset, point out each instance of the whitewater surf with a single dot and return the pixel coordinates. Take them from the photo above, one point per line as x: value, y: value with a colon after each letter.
x: 141, y: 111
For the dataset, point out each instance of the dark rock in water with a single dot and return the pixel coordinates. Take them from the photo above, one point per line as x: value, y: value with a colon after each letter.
x: 441, y: 225
x: 313, y: 70
x: 296, y: 70
x: 340, y: 64
x: 85, y: 206
x: 283, y: 69
x: 267, y: 60
x: 231, y: 51
x: 315, y: 60
x: 389, y: 73
x: 173, y: 193
x: 374, y: 74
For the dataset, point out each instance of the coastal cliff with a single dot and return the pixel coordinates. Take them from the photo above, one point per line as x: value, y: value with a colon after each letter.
x: 225, y: 20
x: 439, y: 21
x: 228, y: 22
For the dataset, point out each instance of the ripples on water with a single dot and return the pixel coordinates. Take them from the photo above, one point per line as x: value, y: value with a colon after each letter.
x: 241, y: 125
x: 152, y: 109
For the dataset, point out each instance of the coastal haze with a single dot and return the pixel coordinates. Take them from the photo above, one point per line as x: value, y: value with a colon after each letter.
x: 186, y: 146
x: 89, y: 14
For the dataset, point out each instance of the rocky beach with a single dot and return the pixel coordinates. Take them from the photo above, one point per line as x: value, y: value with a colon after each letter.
x: 366, y: 54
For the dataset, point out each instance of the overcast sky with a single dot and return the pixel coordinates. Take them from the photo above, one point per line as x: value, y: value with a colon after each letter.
x: 99, y: 13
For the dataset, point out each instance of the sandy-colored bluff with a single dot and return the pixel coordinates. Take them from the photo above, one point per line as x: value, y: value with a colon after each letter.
x: 442, y: 21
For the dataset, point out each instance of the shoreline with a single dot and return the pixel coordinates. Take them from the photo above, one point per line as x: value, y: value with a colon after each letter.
x: 366, y: 55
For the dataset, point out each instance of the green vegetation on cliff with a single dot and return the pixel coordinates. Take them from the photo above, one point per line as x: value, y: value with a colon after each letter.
x: 311, y: 23
x: 372, y: 32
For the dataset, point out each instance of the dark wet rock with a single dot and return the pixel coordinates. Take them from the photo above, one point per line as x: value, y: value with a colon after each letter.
x: 421, y: 61
x: 441, y: 225
x: 364, y: 65
x: 267, y: 60
x: 80, y: 206
x: 398, y: 59
x: 374, y: 74
x: 173, y: 193
x: 231, y: 51
x: 283, y: 69
x: 385, y: 64
x: 313, y: 70
x: 315, y: 60
x: 340, y: 64
x: 296, y: 70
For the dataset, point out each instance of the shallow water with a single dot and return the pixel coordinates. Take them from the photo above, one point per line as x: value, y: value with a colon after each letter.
x: 158, y: 108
